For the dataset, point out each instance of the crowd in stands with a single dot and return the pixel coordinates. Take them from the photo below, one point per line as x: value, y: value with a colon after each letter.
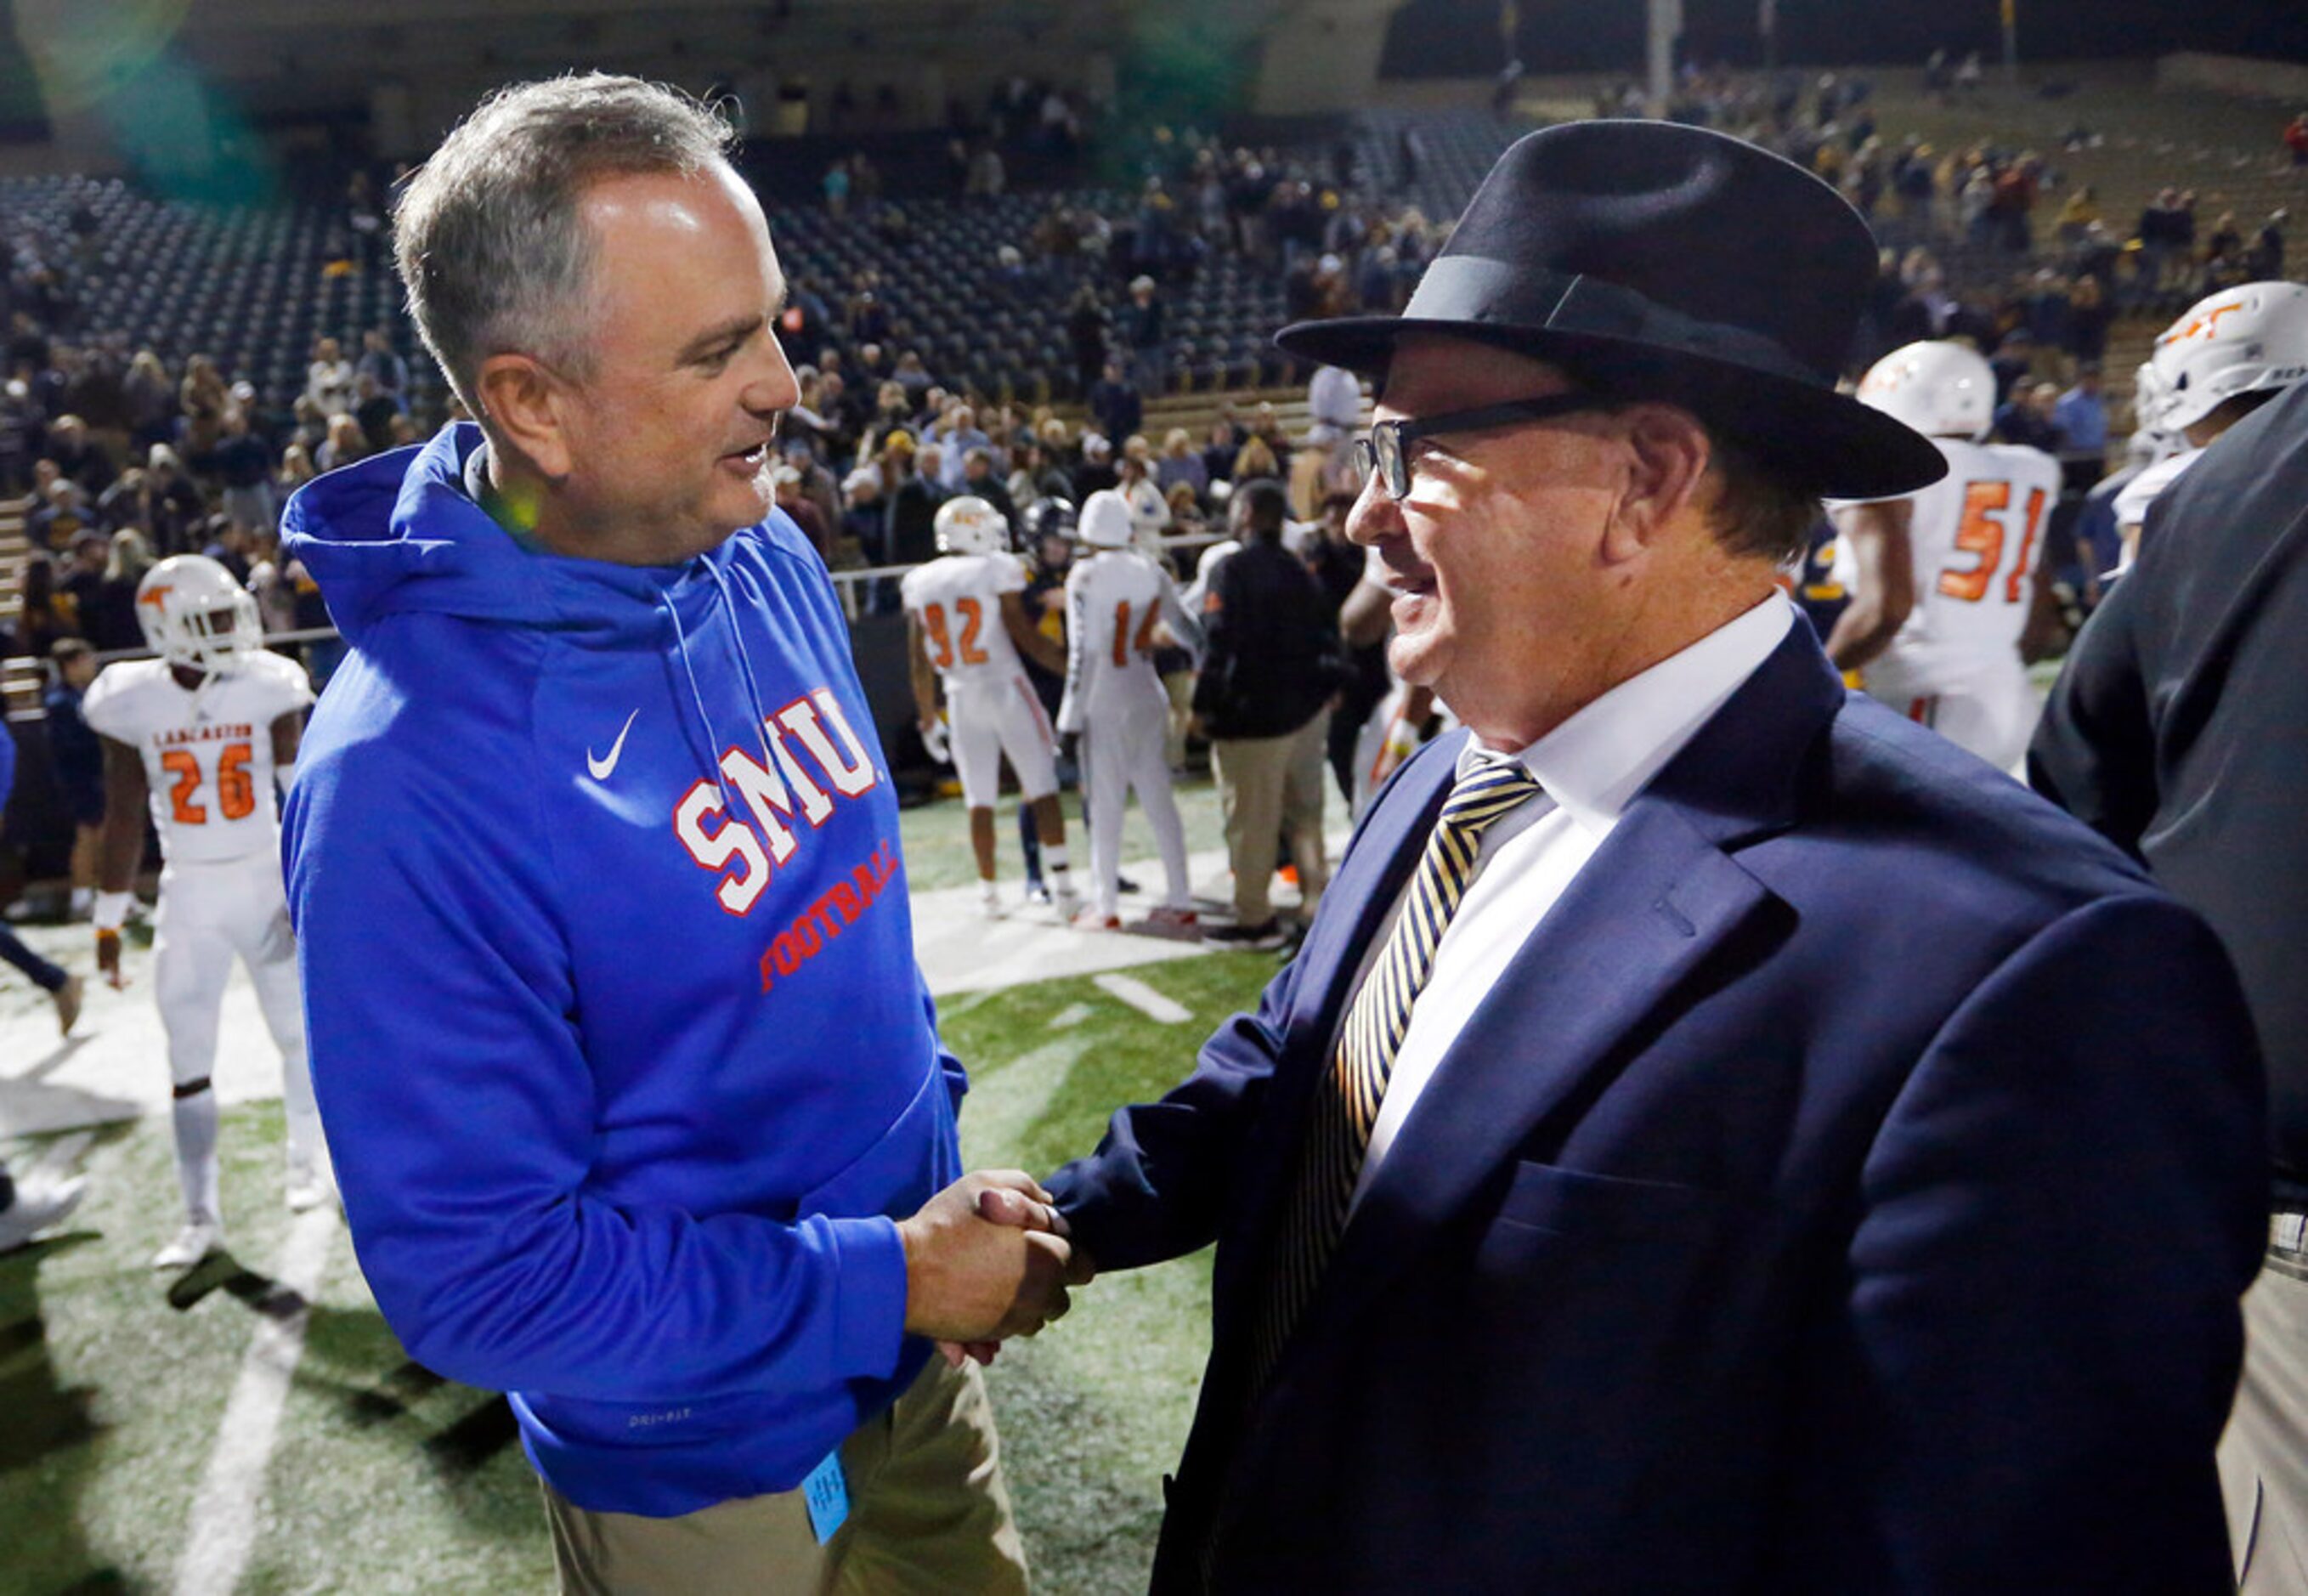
x: 118, y: 456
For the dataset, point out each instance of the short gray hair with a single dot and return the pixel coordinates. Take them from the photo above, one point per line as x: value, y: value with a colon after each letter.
x: 487, y: 233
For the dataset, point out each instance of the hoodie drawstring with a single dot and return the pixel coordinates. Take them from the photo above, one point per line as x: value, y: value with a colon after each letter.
x: 697, y: 698
x: 697, y: 693
x: 744, y: 666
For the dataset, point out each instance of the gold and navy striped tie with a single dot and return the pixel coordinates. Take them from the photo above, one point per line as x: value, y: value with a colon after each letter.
x: 1347, y: 1103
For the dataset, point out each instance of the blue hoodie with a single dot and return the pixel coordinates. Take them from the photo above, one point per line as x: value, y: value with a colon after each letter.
x: 622, y: 1053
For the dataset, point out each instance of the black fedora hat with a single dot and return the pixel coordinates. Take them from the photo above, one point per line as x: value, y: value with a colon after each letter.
x: 1657, y: 261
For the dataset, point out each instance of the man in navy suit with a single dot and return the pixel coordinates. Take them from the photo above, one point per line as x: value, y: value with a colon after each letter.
x: 1717, y: 1136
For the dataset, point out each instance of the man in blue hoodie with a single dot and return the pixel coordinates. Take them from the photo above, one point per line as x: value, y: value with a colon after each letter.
x: 631, y: 1082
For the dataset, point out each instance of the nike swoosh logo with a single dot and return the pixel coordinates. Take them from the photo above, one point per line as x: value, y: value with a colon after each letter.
x: 601, y: 768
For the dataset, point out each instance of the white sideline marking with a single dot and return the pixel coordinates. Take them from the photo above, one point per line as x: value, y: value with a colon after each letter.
x: 1072, y: 1014
x: 1145, y: 998
x: 223, y: 1529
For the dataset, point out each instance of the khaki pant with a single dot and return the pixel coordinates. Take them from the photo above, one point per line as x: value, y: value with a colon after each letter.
x: 928, y: 1516
x: 2264, y: 1454
x: 1272, y: 786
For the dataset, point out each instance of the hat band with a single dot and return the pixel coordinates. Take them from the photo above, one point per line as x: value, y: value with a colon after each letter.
x: 1472, y: 288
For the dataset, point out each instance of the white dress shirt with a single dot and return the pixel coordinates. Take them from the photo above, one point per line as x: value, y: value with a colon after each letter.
x: 1590, y: 768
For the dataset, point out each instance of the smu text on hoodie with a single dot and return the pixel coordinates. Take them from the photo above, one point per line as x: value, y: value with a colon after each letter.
x: 622, y: 1053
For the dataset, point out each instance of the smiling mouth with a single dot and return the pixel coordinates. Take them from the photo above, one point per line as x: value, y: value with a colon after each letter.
x: 754, y: 457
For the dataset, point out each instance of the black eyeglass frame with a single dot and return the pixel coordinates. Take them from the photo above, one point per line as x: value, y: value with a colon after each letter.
x: 1385, y: 452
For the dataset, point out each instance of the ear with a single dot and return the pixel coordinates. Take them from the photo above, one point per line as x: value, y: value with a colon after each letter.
x: 1667, y: 455
x: 527, y: 407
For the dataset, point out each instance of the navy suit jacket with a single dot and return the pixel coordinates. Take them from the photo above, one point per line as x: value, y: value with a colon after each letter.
x: 1849, y: 1188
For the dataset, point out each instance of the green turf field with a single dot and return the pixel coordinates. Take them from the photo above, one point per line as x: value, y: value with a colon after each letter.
x: 387, y: 1478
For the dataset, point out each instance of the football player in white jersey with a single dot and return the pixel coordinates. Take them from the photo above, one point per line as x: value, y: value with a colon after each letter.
x: 2226, y: 356
x: 203, y: 733
x: 965, y: 624
x: 1944, y: 582
x: 1115, y: 599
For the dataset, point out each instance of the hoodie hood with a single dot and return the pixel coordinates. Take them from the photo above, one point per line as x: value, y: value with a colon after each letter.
x: 398, y: 532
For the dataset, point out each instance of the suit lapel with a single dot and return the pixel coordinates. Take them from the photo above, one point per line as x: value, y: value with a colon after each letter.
x: 1657, y: 899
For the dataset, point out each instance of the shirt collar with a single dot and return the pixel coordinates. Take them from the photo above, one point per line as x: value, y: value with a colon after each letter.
x: 1594, y: 764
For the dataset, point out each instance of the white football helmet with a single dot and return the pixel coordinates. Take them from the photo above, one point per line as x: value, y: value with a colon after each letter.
x: 195, y: 615
x: 1105, y: 522
x: 1941, y: 390
x: 968, y: 524
x: 2239, y: 341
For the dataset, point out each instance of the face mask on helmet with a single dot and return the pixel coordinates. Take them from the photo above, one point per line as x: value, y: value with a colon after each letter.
x: 196, y: 615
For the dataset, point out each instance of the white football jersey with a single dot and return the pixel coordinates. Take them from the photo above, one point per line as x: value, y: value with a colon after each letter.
x: 1113, y: 600
x: 208, y: 752
x: 2134, y: 498
x: 958, y: 599
x: 1977, y: 535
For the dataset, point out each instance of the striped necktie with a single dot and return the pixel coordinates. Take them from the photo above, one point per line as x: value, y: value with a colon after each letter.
x: 1347, y: 1103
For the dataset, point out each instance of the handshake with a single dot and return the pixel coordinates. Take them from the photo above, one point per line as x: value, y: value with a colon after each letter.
x: 987, y: 1258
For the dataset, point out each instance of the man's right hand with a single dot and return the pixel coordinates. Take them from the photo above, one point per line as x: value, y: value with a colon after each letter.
x: 972, y: 1280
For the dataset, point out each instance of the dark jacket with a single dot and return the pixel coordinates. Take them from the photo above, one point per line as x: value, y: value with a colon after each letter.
x: 1271, y: 657
x: 2175, y: 729
x: 1848, y: 1187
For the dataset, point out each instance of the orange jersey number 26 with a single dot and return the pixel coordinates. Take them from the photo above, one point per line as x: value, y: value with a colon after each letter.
x: 236, y: 789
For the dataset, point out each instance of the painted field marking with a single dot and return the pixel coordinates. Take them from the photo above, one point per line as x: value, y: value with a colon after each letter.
x: 1145, y: 999
x: 223, y: 1529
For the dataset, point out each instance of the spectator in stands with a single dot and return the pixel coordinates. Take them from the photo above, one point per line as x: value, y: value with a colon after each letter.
x: 114, y: 625
x: 61, y: 513
x: 1097, y: 470
x: 817, y: 483
x: 1218, y: 451
x: 150, y: 401
x: 2027, y: 418
x: 793, y: 498
x: 345, y: 443
x: 41, y: 617
x: 76, y: 761
x: 2296, y: 140
x: 374, y: 410
x: 381, y: 363
x: 1144, y: 326
x: 2265, y: 262
x: 329, y: 379
x: 80, y: 581
x: 1179, y: 464
x: 864, y: 518
x: 2077, y: 214
x: 2091, y: 311
x: 203, y: 402
x: 228, y: 546
x: 1255, y: 460
x: 243, y: 464
x: 959, y: 436
x: 79, y: 456
x: 913, y: 494
x: 1267, y: 674
x: 981, y: 476
x: 1116, y: 404
x: 172, y: 508
x: 276, y: 596
x: 2081, y: 415
x: 296, y: 468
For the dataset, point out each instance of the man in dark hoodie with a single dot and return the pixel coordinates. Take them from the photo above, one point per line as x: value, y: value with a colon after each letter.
x: 697, y: 1210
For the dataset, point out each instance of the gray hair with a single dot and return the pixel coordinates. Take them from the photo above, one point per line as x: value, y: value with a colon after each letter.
x: 487, y: 233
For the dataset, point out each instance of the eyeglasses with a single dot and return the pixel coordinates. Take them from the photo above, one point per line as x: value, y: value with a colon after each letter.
x: 1385, y: 452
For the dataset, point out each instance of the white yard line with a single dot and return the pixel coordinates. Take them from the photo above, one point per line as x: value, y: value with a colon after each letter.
x: 1145, y: 998
x: 225, y: 1512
